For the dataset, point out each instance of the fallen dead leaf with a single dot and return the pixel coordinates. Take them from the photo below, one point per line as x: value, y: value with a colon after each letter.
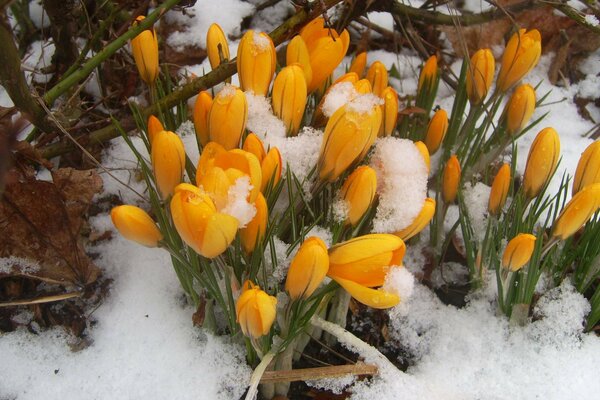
x: 40, y: 225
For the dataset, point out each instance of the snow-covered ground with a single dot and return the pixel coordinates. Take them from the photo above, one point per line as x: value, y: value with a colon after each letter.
x: 144, y: 344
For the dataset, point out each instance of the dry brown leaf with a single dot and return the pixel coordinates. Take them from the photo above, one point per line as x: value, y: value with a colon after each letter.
x: 40, y: 224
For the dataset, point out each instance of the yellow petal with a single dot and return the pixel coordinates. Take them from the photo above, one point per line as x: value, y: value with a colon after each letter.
x: 374, y: 298
x: 201, y: 109
x: 518, y: 251
x: 307, y: 269
x: 227, y: 117
x: 168, y: 161
x: 420, y: 222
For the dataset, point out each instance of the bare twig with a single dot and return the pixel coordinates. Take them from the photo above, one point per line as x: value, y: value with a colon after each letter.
x: 40, y: 300
x: 307, y: 374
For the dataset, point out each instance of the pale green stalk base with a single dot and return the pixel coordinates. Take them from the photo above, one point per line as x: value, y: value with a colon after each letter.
x: 257, y: 374
x: 338, y: 312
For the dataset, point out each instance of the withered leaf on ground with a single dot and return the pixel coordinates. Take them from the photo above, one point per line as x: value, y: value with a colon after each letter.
x: 41, y: 222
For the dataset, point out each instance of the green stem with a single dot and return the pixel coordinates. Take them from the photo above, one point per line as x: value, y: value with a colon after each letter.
x: 108, y: 51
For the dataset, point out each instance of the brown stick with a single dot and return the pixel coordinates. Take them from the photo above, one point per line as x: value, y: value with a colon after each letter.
x: 309, y: 374
x: 40, y: 300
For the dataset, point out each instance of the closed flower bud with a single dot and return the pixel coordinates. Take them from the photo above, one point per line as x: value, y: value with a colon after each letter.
x: 297, y: 52
x: 577, y: 211
x: 519, y: 108
x: 588, y: 167
x: 366, y: 259
x: 256, y: 62
x: 348, y: 136
x: 499, y: 190
x: 255, y: 311
x: 326, y: 50
x: 518, y: 251
x: 135, y: 224
x: 227, y: 117
x: 521, y: 54
x: 289, y: 97
x: 359, y: 192
x: 254, y: 232
x: 271, y: 169
x: 168, y: 161
x: 436, y: 131
x: 253, y: 144
x: 154, y: 126
x: 451, y: 179
x: 363, y: 86
x: 541, y: 161
x: 429, y: 73
x: 199, y: 224
x: 359, y: 64
x: 145, y: 53
x: 216, y: 45
x: 425, y: 215
x: 390, y: 111
x: 308, y: 268
x: 202, y: 107
x: 378, y: 76
x: 480, y: 75
x: 424, y: 152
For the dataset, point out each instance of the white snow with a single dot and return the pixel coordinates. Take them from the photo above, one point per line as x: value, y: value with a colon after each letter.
x: 143, y: 346
x: 194, y: 24
x: 401, y: 183
x: 476, y: 200
x: 237, y: 203
x: 591, y: 20
x: 338, y: 95
x: 7, y: 265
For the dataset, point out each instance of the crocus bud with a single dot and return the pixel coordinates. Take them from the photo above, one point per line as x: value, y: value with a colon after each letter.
x: 378, y: 76
x: 429, y: 73
x: 135, y: 224
x: 499, y: 190
x: 199, y: 224
x: 390, y: 111
x: 588, y: 167
x: 289, y: 97
x: 227, y: 117
x: 271, y: 169
x: 326, y: 50
x: 359, y: 192
x: 436, y: 131
x: 145, y: 53
x: 308, y: 268
x: 480, y: 75
x: 202, y: 107
x: 425, y: 215
x: 451, y: 179
x: 519, y: 108
x: 541, y: 161
x: 253, y: 144
x: 216, y: 45
x: 521, y: 54
x: 256, y: 62
x: 359, y: 64
x: 518, y: 251
x: 154, y: 126
x: 254, y: 232
x: 363, y: 86
x: 297, y: 52
x: 577, y: 211
x: 424, y: 152
x: 348, y: 136
x: 255, y: 311
x: 366, y: 259
x: 168, y: 161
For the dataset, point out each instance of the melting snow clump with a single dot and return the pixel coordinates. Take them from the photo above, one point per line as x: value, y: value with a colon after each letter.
x: 401, y: 183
